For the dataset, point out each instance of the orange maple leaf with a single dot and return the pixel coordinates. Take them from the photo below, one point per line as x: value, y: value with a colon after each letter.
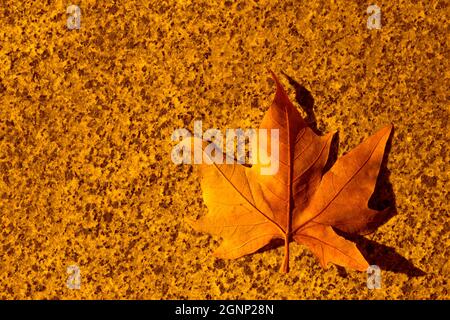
x: 299, y: 202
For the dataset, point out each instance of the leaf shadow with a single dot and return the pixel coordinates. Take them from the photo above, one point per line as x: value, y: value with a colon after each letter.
x: 306, y: 101
x: 387, y: 258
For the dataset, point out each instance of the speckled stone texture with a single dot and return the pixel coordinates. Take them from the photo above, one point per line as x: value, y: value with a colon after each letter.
x: 86, y: 118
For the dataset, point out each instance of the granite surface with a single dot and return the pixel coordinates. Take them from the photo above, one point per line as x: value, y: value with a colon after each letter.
x: 86, y: 118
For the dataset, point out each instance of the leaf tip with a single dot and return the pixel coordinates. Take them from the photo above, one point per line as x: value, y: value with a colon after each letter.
x: 362, y: 266
x: 275, y: 78
x: 271, y: 73
x: 388, y: 128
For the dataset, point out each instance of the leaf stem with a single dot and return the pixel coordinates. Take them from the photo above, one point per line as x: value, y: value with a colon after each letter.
x: 285, y: 265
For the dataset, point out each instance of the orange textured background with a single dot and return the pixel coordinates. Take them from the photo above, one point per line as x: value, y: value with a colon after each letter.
x: 86, y: 117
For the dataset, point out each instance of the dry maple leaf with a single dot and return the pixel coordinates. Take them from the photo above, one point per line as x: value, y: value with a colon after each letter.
x: 300, y: 202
